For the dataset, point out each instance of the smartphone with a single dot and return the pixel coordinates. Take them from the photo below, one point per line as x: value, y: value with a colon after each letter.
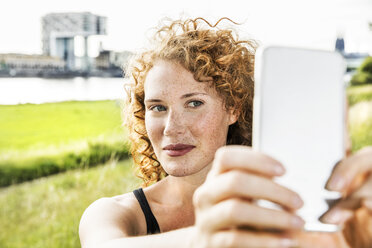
x: 299, y: 119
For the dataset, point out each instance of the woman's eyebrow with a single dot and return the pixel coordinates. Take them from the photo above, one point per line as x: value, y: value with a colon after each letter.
x: 153, y: 100
x: 182, y: 97
x: 192, y: 94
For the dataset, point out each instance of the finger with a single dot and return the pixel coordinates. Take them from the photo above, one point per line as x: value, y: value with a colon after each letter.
x: 341, y: 211
x: 368, y: 203
x: 236, y: 213
x: 364, y: 191
x: 337, y: 216
x: 239, y: 238
x: 236, y: 184
x: 321, y: 240
x: 349, y: 169
x: 358, y: 230
x: 344, y: 209
x: 244, y: 158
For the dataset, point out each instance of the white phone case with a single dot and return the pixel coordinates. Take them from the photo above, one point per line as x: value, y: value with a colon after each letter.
x: 299, y: 119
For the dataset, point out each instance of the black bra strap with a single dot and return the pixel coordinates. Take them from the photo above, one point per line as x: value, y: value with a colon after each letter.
x: 152, y: 224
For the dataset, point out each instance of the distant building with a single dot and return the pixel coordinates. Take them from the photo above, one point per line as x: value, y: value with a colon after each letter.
x: 58, y: 59
x: 340, y: 45
x: 60, y: 29
x: 102, y: 61
x: 110, y: 59
x: 121, y: 59
x: 13, y: 61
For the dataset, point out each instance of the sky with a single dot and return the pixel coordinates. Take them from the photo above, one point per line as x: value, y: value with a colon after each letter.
x: 311, y: 23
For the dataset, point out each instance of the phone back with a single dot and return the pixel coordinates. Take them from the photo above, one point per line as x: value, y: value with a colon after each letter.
x: 299, y: 119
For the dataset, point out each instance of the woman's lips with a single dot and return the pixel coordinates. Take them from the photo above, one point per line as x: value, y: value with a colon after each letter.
x: 176, y: 150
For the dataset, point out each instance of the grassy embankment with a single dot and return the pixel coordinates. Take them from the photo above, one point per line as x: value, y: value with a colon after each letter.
x: 359, y: 94
x: 46, y: 212
x: 360, y: 116
x: 39, y: 140
x: 33, y: 126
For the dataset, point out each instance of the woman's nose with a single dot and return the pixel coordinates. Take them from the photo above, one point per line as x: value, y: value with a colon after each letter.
x: 175, y: 124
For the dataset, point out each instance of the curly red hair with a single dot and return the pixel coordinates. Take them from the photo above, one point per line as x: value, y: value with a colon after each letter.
x: 213, y: 55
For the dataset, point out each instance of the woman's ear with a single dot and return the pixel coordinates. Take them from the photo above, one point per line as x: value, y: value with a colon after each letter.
x: 233, y: 116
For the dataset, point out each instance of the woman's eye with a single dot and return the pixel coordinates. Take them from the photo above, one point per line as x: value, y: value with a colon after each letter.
x: 158, y: 108
x: 194, y: 104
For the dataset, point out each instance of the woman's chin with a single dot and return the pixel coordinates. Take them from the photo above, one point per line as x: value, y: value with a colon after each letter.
x: 180, y: 169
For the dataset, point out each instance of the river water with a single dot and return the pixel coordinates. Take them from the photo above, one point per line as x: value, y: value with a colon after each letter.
x: 39, y: 90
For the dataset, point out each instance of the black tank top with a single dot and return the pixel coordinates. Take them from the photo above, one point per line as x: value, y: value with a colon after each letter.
x: 152, y: 224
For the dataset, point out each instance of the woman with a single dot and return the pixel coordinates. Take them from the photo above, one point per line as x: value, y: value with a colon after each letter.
x: 192, y: 95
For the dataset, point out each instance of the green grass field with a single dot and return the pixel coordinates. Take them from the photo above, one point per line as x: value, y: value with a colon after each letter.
x: 359, y: 94
x: 46, y: 212
x: 35, y: 126
x: 360, y: 125
x: 42, y: 139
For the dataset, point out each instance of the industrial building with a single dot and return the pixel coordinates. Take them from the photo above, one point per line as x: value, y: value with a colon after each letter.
x: 60, y: 29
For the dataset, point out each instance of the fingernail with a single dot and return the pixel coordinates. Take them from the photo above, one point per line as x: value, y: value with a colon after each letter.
x: 288, y: 242
x: 333, y: 217
x: 278, y: 170
x: 297, y: 202
x: 337, y: 183
x: 297, y: 222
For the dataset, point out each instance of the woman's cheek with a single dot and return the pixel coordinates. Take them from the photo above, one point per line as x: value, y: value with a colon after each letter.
x: 153, y: 129
x: 211, y: 127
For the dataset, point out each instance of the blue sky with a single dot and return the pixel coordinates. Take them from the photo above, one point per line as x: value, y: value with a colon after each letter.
x: 313, y: 24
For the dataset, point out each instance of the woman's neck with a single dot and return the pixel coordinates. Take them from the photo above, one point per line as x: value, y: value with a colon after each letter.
x: 179, y: 190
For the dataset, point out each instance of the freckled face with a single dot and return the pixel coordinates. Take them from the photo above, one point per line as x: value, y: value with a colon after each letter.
x: 185, y: 119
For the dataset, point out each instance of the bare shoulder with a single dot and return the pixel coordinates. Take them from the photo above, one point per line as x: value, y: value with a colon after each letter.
x: 110, y: 218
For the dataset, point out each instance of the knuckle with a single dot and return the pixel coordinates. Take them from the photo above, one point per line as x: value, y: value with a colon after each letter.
x: 221, y: 152
x: 232, y: 208
x: 222, y: 149
x: 231, y: 239
x: 254, y: 181
x: 233, y: 178
x: 202, y: 241
x: 225, y: 239
x: 198, y: 197
x: 220, y: 156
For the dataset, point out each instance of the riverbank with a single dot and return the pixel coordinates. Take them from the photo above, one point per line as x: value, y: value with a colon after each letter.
x: 46, y: 212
